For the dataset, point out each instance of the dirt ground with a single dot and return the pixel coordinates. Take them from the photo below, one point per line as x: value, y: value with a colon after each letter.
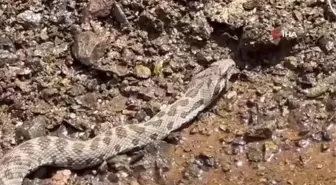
x: 77, y: 68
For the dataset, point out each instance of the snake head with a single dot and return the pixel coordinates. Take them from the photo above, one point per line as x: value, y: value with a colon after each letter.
x: 221, y: 71
x: 216, y: 76
x: 224, y: 67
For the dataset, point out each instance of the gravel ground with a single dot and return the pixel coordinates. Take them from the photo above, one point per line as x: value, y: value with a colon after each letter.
x: 75, y: 68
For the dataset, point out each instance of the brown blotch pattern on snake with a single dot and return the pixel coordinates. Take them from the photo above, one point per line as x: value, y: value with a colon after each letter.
x: 202, y: 75
x: 192, y: 93
x: 95, y: 143
x: 154, y: 136
x: 170, y: 125
x: 107, y: 140
x: 27, y: 148
x: 217, y: 90
x: 43, y: 142
x: 173, y: 109
x: 109, y: 133
x: 78, y: 148
x: 6, y: 160
x: 8, y: 173
x: 61, y: 144
x: 15, y: 159
x: 139, y: 130
x: 70, y: 161
x: 88, y: 161
x: 208, y: 85
x: 135, y: 142
x: 117, y: 148
x: 156, y: 123
x: 209, y: 82
x: 18, y: 161
x: 121, y: 132
x: 54, y: 159
x: 194, y: 107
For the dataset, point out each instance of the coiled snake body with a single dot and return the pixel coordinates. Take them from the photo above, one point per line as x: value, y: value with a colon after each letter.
x: 74, y: 154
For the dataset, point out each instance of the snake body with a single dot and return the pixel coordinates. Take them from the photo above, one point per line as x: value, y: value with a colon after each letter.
x: 75, y: 154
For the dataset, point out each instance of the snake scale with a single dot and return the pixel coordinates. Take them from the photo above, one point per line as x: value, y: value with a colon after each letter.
x: 75, y: 154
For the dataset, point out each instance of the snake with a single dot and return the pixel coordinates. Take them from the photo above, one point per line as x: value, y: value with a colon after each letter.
x: 63, y: 152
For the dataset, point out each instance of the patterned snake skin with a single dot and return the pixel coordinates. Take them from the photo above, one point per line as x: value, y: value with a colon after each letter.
x: 74, y: 154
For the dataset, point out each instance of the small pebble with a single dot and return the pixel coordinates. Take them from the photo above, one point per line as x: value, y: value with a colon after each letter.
x: 142, y: 71
x: 30, y: 17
